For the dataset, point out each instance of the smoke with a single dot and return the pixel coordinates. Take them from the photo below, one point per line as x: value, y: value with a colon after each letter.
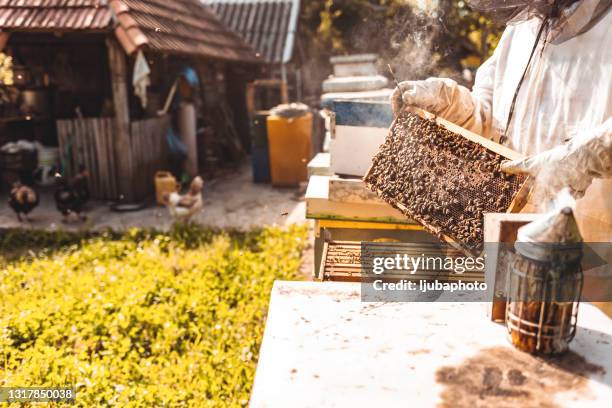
x: 548, y: 194
x: 563, y: 199
x: 428, y: 7
x: 403, y: 35
x: 413, y: 41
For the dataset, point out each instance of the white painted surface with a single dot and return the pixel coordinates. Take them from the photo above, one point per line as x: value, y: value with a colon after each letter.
x: 324, y: 348
x: 354, y: 65
x: 352, y: 149
x: 381, y: 95
x: 320, y: 165
x: 320, y: 206
x: 355, y: 84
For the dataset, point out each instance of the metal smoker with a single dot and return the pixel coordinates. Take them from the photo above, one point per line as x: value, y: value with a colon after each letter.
x: 545, y: 285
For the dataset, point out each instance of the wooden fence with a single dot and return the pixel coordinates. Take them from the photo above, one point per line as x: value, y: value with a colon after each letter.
x: 149, y: 152
x: 90, y: 142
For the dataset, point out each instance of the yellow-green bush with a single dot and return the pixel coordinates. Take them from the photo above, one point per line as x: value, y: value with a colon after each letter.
x: 143, y: 319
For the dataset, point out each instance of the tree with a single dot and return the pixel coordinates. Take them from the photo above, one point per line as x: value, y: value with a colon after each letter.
x: 418, y: 40
x: 346, y: 26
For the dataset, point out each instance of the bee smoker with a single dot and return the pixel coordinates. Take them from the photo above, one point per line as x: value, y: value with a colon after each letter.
x: 544, y: 285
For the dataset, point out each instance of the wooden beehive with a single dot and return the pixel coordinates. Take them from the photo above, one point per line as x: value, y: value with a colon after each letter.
x: 445, y: 177
x: 349, y: 261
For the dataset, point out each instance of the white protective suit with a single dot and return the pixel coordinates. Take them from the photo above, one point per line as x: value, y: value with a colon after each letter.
x: 566, y: 97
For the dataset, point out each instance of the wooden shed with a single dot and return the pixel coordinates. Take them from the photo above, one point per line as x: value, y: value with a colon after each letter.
x: 76, y: 58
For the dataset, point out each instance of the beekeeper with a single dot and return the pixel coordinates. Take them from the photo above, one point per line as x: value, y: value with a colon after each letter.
x: 546, y: 92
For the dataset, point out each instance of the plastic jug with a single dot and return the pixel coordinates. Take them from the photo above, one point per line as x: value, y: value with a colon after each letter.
x: 290, y: 144
x: 165, y: 183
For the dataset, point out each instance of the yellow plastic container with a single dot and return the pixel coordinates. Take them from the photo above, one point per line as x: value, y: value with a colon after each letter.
x: 165, y: 183
x: 290, y: 148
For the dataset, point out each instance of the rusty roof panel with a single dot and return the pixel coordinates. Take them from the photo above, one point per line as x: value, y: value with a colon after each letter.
x: 183, y: 27
x: 267, y: 25
x: 29, y: 15
x: 172, y: 26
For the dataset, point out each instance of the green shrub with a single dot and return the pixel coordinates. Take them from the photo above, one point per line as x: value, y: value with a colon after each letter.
x: 143, y: 319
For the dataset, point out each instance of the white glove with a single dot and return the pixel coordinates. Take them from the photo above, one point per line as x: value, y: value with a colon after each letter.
x: 426, y: 95
x: 445, y: 98
x: 574, y: 165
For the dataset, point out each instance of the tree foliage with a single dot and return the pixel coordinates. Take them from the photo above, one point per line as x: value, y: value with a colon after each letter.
x: 428, y: 35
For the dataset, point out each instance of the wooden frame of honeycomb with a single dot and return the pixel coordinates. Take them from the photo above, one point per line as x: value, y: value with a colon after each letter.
x: 445, y: 178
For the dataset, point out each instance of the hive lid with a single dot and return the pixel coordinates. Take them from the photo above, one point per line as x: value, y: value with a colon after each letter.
x: 293, y: 110
x: 352, y: 59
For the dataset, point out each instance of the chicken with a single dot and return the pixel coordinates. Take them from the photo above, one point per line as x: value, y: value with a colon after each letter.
x: 71, y: 196
x: 23, y: 199
x: 184, y: 207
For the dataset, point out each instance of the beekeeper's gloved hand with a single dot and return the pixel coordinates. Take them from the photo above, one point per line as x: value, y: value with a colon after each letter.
x: 420, y: 94
x: 446, y: 98
x: 574, y: 165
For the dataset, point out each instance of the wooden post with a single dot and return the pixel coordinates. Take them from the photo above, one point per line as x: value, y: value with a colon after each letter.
x: 123, y: 146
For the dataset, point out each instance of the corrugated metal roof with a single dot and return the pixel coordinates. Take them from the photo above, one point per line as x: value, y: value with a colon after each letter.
x: 173, y: 26
x: 268, y: 25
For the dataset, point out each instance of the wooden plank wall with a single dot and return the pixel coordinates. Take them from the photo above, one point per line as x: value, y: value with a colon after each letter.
x: 91, y: 142
x: 149, y: 152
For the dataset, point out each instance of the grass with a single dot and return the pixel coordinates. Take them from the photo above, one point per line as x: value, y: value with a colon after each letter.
x: 143, y: 318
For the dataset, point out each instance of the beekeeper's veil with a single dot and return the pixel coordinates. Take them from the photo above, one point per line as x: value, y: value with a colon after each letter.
x: 566, y: 18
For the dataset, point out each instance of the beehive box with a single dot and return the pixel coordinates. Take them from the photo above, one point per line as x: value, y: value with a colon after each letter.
x: 445, y: 177
x: 360, y: 128
x: 349, y: 261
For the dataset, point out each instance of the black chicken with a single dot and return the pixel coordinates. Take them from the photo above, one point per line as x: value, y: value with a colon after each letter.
x: 23, y: 200
x: 72, y: 195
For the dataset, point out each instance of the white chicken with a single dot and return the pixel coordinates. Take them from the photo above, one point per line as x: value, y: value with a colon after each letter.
x: 184, y: 207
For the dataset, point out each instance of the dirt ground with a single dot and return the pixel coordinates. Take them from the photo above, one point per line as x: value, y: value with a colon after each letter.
x: 231, y: 201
